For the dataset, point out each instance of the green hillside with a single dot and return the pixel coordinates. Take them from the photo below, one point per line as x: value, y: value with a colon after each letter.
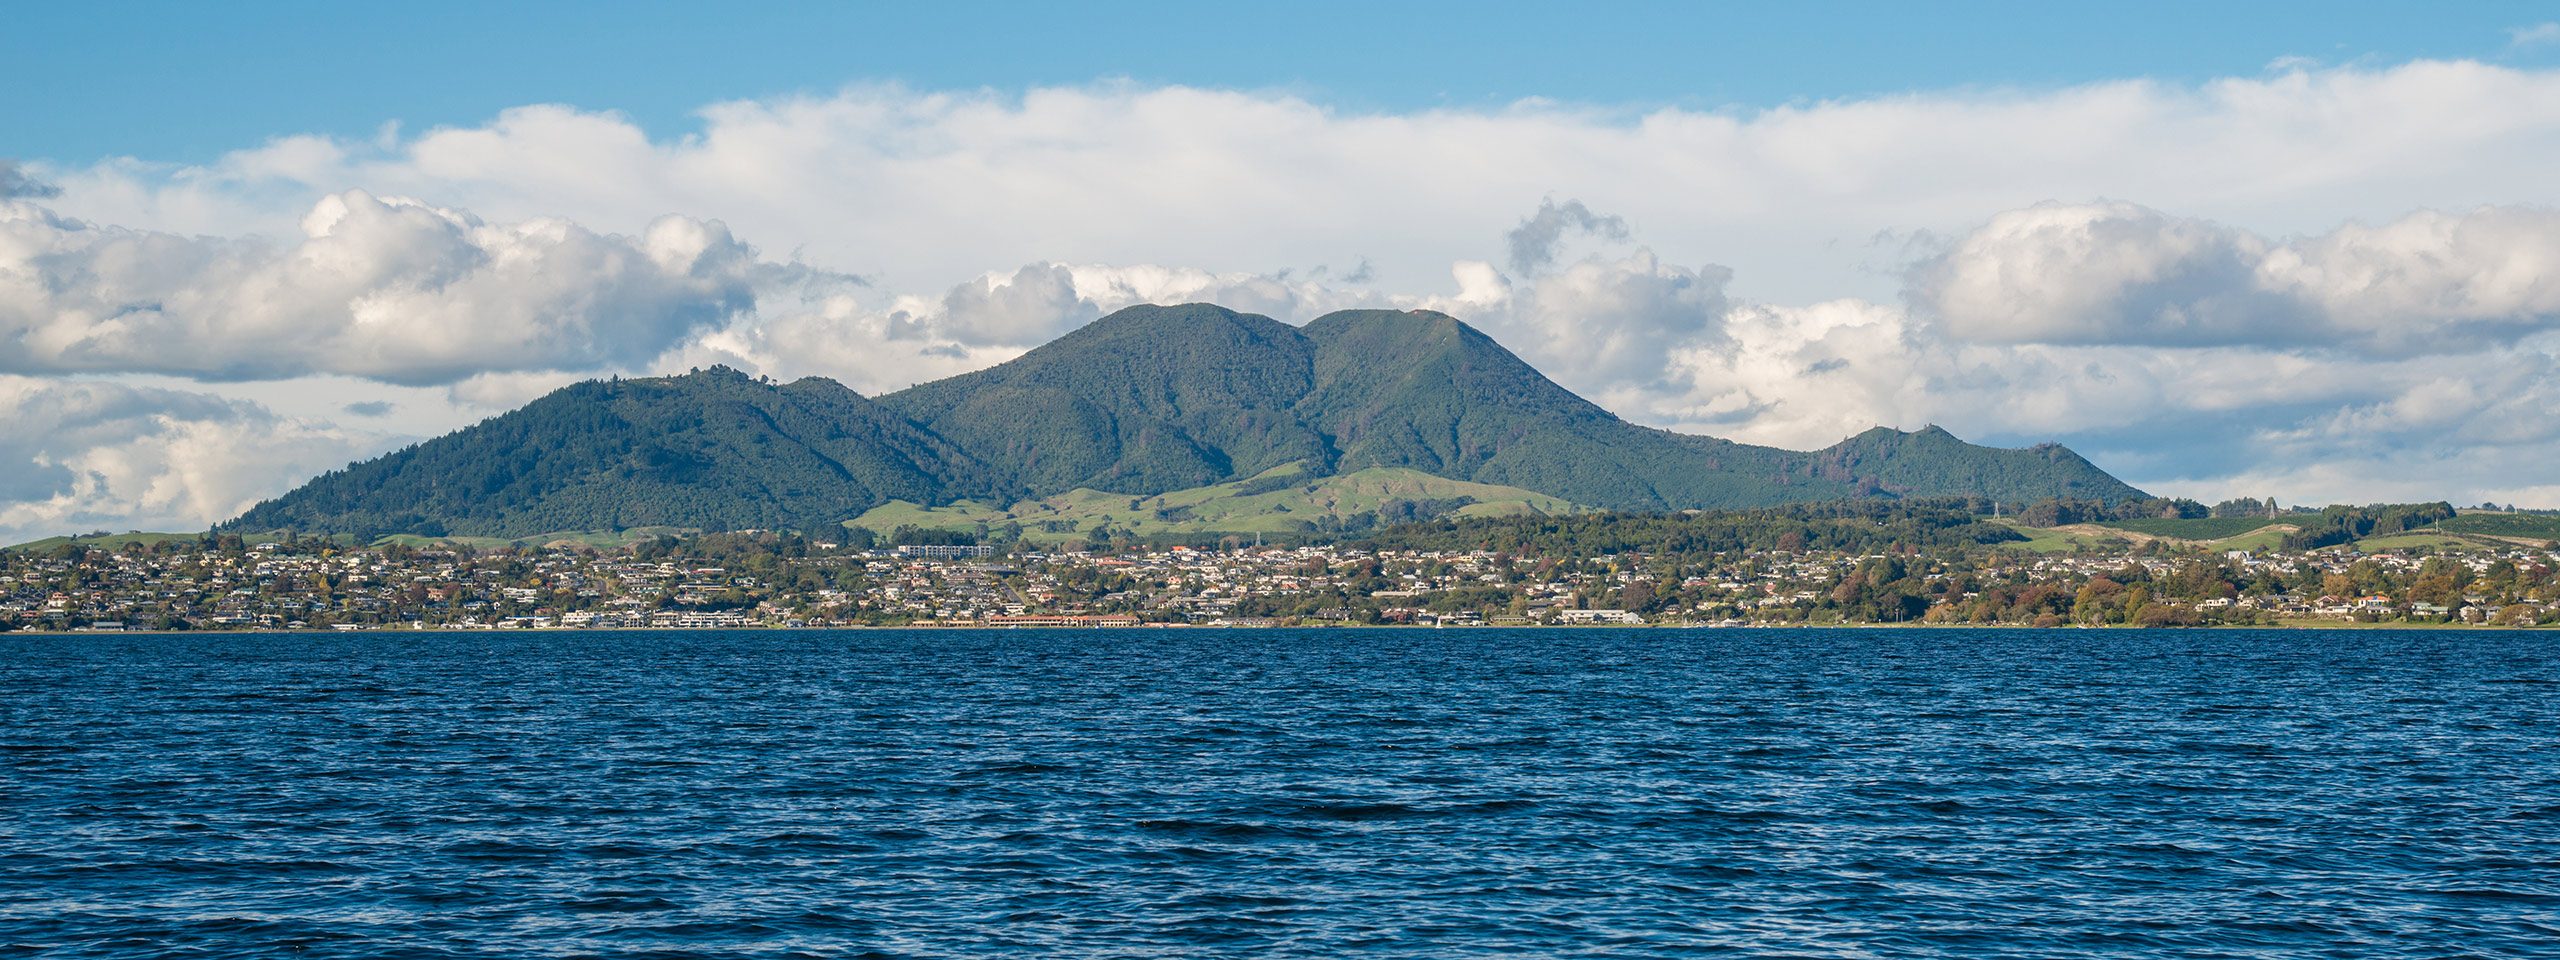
x: 1147, y: 400
x: 1930, y: 462
x: 1287, y: 500
x: 2524, y: 525
x: 1424, y: 391
x: 714, y: 449
x: 1150, y: 402
x: 1156, y: 399
x: 2196, y: 528
x: 119, y: 541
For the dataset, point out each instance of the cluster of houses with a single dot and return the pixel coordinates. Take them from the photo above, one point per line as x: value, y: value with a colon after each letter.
x: 313, y: 585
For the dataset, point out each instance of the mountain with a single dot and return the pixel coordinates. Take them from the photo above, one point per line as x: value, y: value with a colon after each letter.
x: 1146, y: 402
x: 1154, y: 399
x: 709, y: 449
x: 1423, y: 390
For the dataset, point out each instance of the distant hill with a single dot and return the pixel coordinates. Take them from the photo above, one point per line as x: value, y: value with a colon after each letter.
x: 1145, y: 402
x: 1153, y: 399
x: 713, y: 449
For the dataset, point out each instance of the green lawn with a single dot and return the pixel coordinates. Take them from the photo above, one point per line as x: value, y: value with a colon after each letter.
x: 2202, y: 528
x: 2269, y: 538
x: 1226, y: 508
x: 2050, y: 540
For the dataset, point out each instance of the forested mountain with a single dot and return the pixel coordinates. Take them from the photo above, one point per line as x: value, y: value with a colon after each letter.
x: 1155, y: 399
x: 713, y: 449
x: 1423, y: 390
x: 1146, y: 401
x: 1143, y: 401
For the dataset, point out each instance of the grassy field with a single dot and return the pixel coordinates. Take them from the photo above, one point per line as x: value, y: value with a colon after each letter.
x: 2535, y: 526
x: 2436, y: 541
x: 2104, y: 536
x: 598, y: 539
x: 2264, y: 537
x: 115, y: 541
x: 2059, y: 539
x: 2202, y: 528
x: 1227, y: 508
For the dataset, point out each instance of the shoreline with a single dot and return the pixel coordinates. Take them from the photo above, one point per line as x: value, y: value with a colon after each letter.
x: 412, y: 631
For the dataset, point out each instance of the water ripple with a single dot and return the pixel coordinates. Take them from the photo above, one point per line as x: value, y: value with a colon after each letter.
x: 1977, y: 794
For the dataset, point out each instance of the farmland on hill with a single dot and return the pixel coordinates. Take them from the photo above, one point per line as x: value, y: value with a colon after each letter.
x: 1286, y: 501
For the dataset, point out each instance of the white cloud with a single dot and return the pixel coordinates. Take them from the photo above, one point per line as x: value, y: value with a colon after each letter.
x: 1604, y: 326
x: 2534, y: 36
x: 2123, y: 273
x: 81, y: 455
x: 919, y: 190
x: 389, y: 289
x: 979, y: 322
x: 16, y: 182
x: 1746, y: 274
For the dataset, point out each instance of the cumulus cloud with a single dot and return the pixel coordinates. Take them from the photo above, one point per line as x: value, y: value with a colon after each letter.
x: 79, y: 455
x: 1534, y: 242
x: 994, y: 317
x: 920, y: 189
x: 1704, y: 270
x: 2123, y: 273
x: 16, y: 183
x: 1665, y: 344
x: 391, y: 289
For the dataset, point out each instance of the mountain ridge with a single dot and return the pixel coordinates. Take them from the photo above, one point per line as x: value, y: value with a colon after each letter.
x: 1146, y: 401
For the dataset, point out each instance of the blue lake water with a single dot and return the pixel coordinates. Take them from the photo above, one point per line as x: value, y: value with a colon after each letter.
x: 1940, y: 793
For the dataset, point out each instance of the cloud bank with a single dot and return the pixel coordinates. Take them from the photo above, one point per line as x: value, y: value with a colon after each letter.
x: 391, y: 289
x: 76, y: 456
x: 2429, y: 282
x: 2316, y: 284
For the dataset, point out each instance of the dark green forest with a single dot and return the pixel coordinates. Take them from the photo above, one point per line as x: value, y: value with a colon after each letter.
x: 1939, y: 527
x: 715, y: 449
x: 1145, y: 401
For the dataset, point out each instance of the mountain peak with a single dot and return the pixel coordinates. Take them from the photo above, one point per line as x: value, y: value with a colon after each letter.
x: 713, y: 373
x: 1148, y: 400
x: 1148, y: 320
x: 1382, y: 323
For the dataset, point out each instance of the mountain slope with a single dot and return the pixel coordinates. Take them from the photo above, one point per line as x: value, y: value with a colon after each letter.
x: 1932, y: 462
x: 1155, y: 399
x: 1424, y: 390
x: 1144, y: 402
x: 709, y: 449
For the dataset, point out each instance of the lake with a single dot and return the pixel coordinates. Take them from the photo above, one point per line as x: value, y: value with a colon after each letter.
x: 1621, y: 793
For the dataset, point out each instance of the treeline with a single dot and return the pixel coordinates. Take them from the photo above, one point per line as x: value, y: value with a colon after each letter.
x: 2323, y: 528
x: 2337, y: 525
x: 1853, y: 526
x: 2057, y: 512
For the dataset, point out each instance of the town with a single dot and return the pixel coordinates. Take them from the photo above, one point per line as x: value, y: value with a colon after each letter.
x: 781, y: 580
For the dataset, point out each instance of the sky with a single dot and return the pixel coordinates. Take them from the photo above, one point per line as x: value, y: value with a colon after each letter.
x: 2291, y: 250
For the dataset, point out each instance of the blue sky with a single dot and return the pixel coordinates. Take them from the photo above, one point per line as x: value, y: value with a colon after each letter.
x: 2308, y: 251
x: 187, y: 81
